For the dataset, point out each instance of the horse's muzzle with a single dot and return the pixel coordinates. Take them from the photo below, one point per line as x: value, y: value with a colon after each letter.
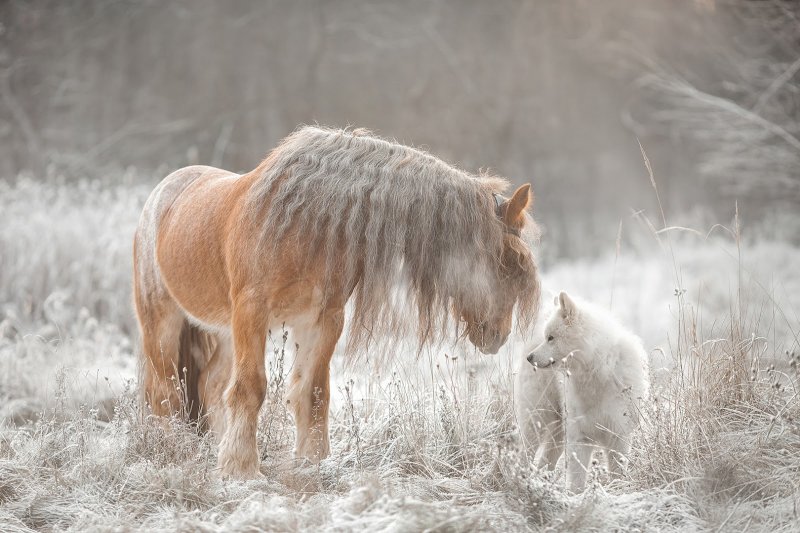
x: 493, y: 344
x: 486, y: 338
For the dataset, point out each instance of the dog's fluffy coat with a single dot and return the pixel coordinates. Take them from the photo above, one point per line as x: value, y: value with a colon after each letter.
x: 596, y: 403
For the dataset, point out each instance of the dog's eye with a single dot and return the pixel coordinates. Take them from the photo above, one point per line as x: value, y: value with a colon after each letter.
x: 550, y: 338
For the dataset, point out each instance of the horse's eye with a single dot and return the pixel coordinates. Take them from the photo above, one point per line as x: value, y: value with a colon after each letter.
x: 550, y: 338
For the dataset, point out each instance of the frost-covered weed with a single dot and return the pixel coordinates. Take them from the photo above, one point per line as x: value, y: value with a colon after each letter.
x: 418, y: 442
x: 65, y: 248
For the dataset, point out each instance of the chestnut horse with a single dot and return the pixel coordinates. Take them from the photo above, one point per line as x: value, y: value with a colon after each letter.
x: 329, y: 216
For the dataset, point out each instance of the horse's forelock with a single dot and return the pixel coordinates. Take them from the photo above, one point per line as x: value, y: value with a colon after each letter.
x: 403, y: 217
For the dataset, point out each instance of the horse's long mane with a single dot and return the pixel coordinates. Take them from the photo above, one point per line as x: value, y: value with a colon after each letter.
x: 382, y: 215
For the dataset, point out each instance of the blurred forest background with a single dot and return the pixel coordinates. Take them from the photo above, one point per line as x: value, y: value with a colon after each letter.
x: 554, y: 92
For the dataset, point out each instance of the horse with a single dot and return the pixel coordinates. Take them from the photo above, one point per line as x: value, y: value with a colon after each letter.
x: 329, y: 217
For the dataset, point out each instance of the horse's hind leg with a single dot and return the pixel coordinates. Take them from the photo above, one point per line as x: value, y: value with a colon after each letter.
x: 309, y: 391
x: 213, y: 380
x: 160, y: 322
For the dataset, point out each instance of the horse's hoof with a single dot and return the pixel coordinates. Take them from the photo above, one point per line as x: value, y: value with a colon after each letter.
x: 241, y: 470
x: 242, y: 475
x: 304, y: 462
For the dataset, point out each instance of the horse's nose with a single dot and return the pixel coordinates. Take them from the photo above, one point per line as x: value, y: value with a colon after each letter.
x: 497, y: 339
x: 503, y: 338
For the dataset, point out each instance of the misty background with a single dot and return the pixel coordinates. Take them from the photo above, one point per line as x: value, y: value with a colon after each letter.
x: 101, y: 99
x: 551, y: 92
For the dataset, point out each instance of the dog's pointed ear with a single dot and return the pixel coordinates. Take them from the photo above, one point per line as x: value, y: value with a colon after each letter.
x: 566, y: 307
x: 519, y: 202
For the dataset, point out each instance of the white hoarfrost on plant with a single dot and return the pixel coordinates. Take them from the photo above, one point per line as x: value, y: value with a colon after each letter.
x: 420, y: 441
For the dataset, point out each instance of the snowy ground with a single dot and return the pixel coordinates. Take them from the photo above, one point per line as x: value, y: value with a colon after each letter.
x: 418, y: 443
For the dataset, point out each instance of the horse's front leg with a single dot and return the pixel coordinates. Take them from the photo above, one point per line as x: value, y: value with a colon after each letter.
x: 309, y: 391
x: 238, y: 452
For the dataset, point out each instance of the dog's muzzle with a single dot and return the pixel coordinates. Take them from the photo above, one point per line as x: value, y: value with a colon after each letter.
x: 538, y: 365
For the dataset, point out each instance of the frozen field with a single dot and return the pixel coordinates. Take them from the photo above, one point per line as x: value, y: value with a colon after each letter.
x: 422, y: 443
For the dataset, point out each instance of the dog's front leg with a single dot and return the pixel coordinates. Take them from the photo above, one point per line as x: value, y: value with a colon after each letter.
x: 617, y: 450
x: 579, y: 453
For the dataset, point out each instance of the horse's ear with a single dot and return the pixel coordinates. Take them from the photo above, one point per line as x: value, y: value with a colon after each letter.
x: 519, y: 202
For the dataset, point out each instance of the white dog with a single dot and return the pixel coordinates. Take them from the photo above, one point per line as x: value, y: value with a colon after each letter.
x: 539, y: 403
x: 606, y: 379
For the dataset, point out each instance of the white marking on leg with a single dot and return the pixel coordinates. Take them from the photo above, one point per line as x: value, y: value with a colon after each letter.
x: 306, y: 335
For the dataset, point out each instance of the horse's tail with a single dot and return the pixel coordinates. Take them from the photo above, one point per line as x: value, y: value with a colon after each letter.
x: 194, y: 351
